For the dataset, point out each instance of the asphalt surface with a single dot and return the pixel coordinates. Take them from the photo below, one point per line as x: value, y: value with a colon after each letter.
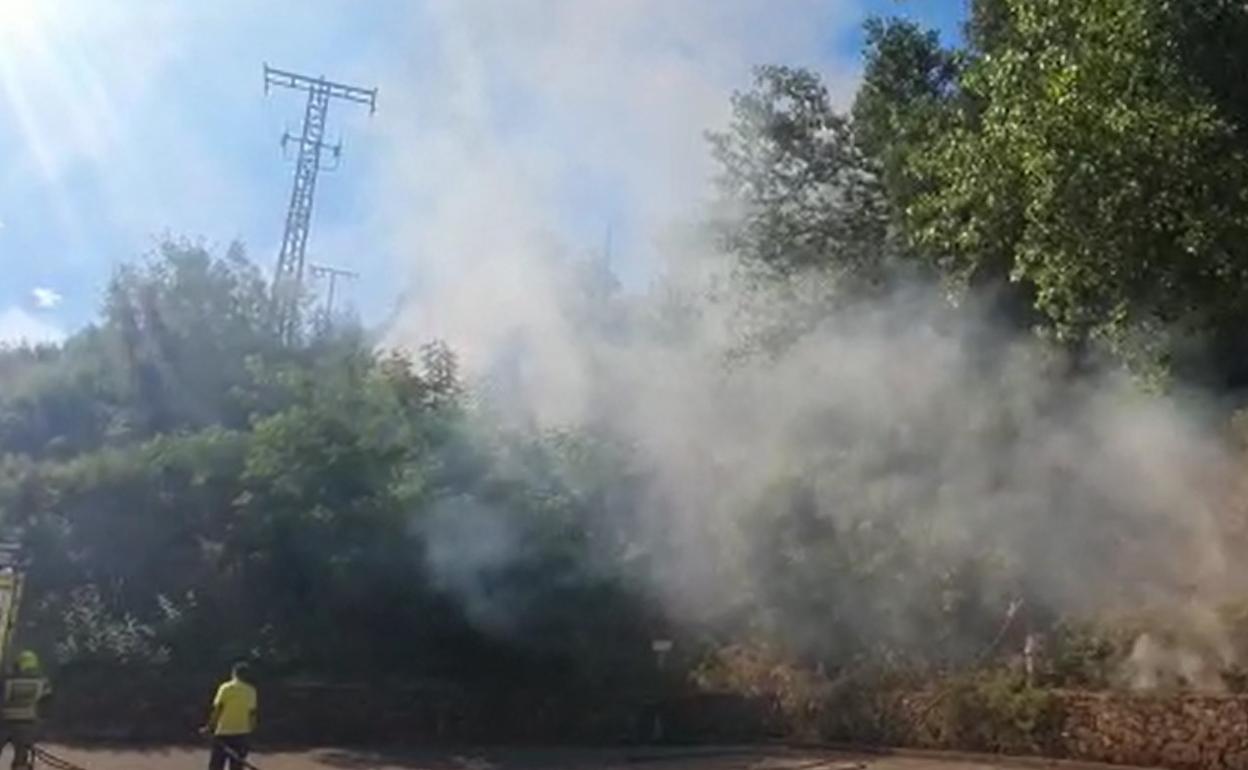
x: 187, y: 758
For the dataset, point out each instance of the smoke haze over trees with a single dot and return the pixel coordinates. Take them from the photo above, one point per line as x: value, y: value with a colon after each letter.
x: 974, y: 340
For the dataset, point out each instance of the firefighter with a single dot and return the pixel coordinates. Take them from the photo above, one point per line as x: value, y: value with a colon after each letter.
x: 232, y: 720
x: 25, y: 690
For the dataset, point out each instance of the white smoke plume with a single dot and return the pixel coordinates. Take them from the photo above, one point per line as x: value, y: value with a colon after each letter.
x: 900, y: 415
x: 543, y: 104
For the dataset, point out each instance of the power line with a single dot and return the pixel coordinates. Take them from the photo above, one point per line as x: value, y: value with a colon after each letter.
x: 288, y: 277
x: 333, y: 274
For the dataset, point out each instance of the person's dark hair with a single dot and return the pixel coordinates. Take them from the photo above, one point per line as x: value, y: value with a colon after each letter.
x: 242, y: 671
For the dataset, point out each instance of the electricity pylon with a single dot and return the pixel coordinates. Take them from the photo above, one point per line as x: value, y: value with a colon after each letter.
x: 288, y: 277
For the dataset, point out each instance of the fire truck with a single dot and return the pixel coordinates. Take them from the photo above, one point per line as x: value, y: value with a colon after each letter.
x: 12, y: 575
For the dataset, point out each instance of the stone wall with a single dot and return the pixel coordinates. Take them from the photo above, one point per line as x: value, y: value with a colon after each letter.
x: 1187, y: 732
x: 1183, y: 732
x: 300, y: 714
x: 1179, y: 731
x: 148, y: 707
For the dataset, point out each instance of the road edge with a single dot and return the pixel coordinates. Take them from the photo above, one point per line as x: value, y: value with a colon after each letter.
x: 658, y: 754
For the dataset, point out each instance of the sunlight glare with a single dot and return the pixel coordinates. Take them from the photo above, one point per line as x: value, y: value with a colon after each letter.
x: 22, y: 23
x: 54, y: 96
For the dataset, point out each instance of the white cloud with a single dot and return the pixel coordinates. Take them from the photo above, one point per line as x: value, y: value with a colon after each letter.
x: 45, y: 298
x: 18, y: 327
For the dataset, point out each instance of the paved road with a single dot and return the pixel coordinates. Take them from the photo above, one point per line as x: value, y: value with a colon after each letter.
x: 181, y: 758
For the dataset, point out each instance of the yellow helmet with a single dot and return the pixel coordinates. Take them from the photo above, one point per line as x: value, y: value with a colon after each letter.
x: 27, y: 662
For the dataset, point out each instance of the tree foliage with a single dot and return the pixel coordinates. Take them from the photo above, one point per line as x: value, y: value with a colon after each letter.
x: 192, y: 490
x: 188, y: 490
x: 1080, y: 150
x: 796, y: 187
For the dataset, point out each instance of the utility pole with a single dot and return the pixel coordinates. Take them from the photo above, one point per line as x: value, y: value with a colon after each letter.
x: 333, y: 274
x: 288, y: 277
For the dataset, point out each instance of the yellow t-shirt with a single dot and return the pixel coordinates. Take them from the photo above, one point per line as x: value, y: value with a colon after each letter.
x: 237, y: 701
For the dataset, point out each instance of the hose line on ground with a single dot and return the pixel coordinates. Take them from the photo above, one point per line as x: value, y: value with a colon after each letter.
x: 60, y: 763
x: 52, y: 760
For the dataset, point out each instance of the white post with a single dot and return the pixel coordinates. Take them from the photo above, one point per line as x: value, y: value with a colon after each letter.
x: 660, y: 648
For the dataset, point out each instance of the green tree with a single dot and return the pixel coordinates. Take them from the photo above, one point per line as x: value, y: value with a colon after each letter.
x: 183, y: 326
x: 796, y: 188
x: 1089, y: 155
x: 170, y: 352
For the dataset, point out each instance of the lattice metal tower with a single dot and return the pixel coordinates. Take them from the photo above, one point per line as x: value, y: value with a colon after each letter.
x: 332, y: 274
x: 288, y: 277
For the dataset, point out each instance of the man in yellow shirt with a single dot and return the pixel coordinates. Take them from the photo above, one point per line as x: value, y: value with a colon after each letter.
x: 232, y: 720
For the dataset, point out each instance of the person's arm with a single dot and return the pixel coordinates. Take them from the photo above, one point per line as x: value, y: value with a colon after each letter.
x: 214, y: 715
x: 252, y: 717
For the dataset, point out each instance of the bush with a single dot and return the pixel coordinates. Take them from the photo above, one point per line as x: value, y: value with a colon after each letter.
x: 760, y: 671
x: 994, y: 711
x: 92, y: 633
x: 1081, y: 656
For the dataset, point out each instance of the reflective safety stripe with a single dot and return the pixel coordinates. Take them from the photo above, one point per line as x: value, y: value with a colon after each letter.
x: 21, y: 698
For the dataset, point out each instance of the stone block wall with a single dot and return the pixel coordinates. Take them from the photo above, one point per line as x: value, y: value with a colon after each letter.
x: 1178, y: 731
x: 148, y: 707
x: 1184, y: 732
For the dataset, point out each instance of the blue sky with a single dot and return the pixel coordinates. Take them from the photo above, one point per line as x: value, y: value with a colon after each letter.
x: 124, y: 121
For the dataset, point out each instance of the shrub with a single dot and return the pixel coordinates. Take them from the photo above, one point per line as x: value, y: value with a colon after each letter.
x: 994, y: 711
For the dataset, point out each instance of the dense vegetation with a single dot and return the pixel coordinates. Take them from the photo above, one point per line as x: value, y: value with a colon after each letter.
x: 189, y: 490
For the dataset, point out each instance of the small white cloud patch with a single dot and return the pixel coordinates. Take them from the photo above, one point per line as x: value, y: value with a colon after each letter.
x: 45, y: 298
x: 18, y: 327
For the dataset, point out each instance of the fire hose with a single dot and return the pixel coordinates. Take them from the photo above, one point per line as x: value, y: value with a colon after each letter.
x: 51, y: 760
x: 60, y: 763
x: 239, y: 758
